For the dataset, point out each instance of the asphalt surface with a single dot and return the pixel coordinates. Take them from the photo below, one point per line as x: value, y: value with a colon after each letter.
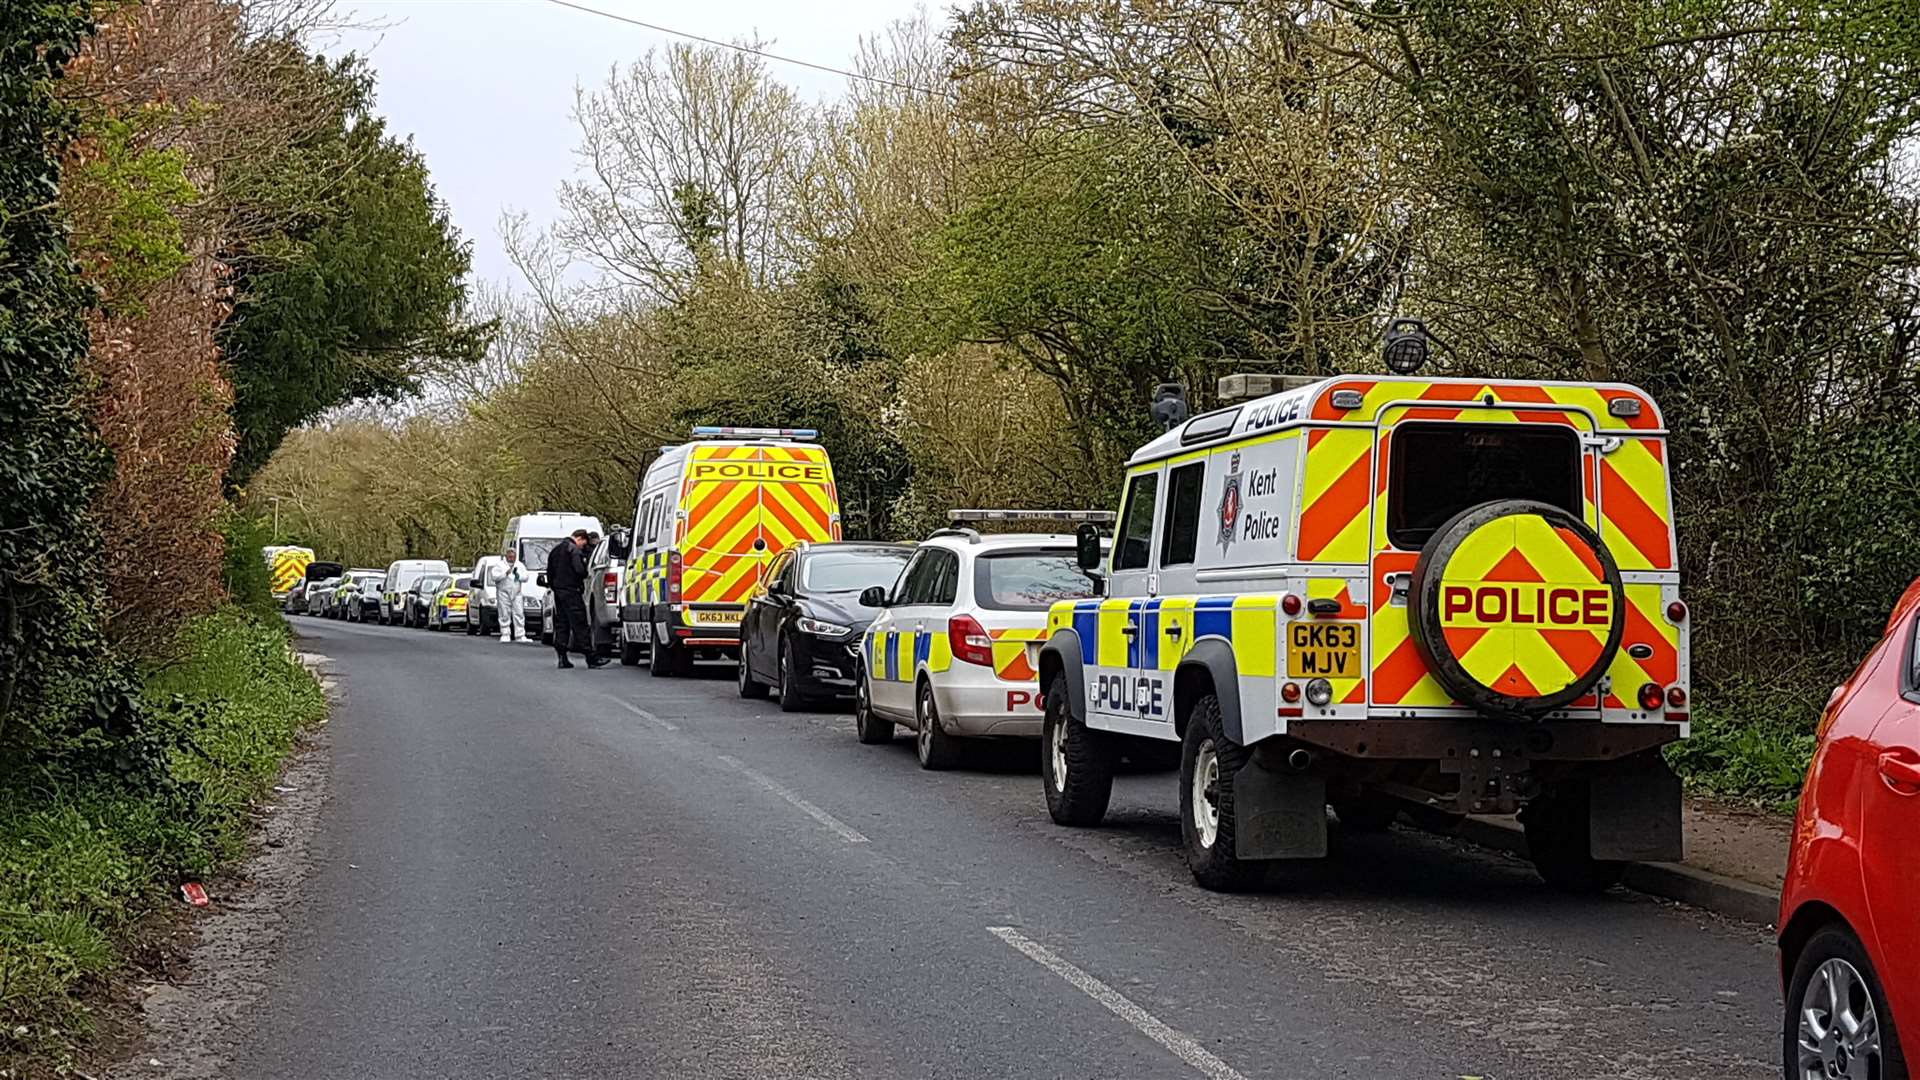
x: 519, y: 871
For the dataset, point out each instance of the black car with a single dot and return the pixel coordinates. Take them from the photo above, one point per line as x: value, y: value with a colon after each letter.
x: 802, y: 628
x: 418, y: 597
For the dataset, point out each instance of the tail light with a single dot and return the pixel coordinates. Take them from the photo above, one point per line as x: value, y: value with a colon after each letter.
x: 610, y: 583
x: 1676, y: 697
x: 1290, y: 604
x: 673, y: 577
x: 1651, y: 696
x: 970, y: 640
x: 1677, y: 611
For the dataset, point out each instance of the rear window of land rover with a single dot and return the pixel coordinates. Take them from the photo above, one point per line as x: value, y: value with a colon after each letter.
x: 1436, y: 470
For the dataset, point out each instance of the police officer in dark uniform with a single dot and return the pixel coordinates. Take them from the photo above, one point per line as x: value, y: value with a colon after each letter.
x: 567, y: 578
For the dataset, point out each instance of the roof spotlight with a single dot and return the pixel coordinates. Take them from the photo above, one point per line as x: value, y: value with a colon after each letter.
x: 1407, y: 346
x: 1169, y: 404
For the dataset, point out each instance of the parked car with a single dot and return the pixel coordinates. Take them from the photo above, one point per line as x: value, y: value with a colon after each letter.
x: 342, y: 592
x: 448, y: 605
x: 318, y: 593
x: 295, y: 602
x: 362, y: 604
x: 400, y: 577
x: 800, y: 634
x: 606, y: 583
x: 414, y: 602
x: 947, y: 654
x: 483, y: 602
x: 1849, y: 926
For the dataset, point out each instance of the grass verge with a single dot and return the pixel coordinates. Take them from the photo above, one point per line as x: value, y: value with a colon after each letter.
x: 81, y: 860
x: 1750, y: 742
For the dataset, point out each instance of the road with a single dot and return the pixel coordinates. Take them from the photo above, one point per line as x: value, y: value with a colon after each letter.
x: 519, y: 871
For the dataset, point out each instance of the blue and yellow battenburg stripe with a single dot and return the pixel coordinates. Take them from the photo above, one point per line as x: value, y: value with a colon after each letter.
x: 647, y: 578
x: 896, y: 655
x: 1249, y: 623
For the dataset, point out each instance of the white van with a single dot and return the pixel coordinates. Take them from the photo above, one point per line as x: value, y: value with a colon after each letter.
x: 400, y: 577
x: 531, y: 537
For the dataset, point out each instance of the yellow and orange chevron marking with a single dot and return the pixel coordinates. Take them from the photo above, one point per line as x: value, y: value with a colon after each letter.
x: 1377, y: 395
x: 288, y: 568
x: 744, y: 505
x: 1010, y: 652
x: 1336, y: 495
x: 1628, y: 502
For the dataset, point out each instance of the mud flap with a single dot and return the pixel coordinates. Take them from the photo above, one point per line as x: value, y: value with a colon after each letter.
x: 1634, y: 811
x: 1278, y: 815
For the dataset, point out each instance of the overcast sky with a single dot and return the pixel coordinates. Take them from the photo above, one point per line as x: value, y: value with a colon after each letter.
x: 485, y: 87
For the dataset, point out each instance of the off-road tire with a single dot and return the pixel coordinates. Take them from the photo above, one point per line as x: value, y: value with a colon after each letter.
x: 868, y: 726
x: 1836, y: 942
x: 1214, y: 866
x: 1556, y: 825
x: 750, y: 688
x: 935, y: 749
x: 1080, y: 798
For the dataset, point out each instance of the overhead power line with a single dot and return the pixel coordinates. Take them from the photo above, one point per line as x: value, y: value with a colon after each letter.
x: 749, y: 50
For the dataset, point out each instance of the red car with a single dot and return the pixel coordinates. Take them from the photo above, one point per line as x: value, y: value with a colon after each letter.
x: 1850, y: 911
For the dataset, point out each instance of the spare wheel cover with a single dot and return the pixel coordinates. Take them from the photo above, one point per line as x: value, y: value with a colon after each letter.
x: 1517, y: 607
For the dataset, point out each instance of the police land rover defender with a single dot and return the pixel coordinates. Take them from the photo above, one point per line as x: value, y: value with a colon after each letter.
x: 1387, y: 594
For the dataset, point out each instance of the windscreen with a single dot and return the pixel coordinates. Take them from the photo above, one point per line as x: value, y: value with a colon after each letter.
x: 1030, y: 581
x: 535, y: 549
x: 1437, y: 470
x: 851, y: 571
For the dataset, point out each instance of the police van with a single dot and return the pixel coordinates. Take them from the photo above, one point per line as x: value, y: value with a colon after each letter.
x: 709, y: 515
x: 286, y: 567
x: 1387, y: 594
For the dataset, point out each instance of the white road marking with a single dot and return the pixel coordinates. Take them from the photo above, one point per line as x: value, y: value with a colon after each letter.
x: 845, y: 831
x: 1180, y: 1045
x: 644, y: 714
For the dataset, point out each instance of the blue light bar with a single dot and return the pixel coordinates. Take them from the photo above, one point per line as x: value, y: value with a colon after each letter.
x: 708, y: 431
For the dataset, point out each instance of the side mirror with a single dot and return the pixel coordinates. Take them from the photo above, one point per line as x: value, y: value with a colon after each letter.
x: 540, y: 579
x: 619, y: 544
x: 1086, y: 541
x: 873, y: 596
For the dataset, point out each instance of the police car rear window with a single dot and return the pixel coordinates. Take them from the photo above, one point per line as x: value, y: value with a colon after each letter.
x: 1029, y: 580
x: 1436, y: 470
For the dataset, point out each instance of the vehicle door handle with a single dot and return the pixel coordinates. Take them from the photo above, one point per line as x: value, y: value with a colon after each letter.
x: 1130, y: 629
x: 1173, y: 631
x: 1898, y: 770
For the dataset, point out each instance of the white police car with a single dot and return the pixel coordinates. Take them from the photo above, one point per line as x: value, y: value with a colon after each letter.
x: 948, y: 654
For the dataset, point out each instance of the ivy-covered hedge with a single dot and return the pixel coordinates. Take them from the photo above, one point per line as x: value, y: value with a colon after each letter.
x: 59, y: 689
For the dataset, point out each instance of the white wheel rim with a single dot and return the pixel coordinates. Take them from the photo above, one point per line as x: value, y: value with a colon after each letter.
x: 1206, y: 794
x: 1839, y: 1030
x: 1057, y: 749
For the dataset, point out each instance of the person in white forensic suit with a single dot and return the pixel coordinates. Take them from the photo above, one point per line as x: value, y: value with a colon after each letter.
x: 508, y: 579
